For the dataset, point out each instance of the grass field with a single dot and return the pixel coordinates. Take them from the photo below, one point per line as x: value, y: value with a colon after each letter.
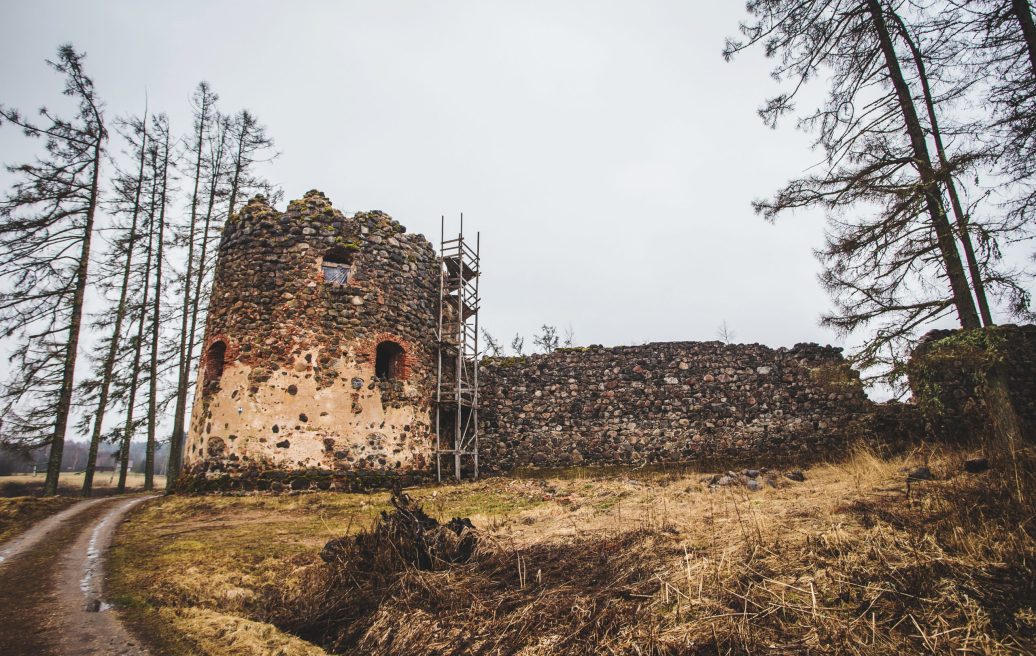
x: 623, y: 562
x: 70, y: 483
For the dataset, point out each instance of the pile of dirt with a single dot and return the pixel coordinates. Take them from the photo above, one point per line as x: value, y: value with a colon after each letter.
x: 333, y: 607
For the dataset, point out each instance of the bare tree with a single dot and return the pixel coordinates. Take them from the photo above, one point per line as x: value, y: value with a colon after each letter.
x: 570, y: 337
x: 251, y: 145
x: 493, y: 347
x: 891, y: 260
x: 205, y: 116
x: 45, y: 238
x: 117, y: 271
x: 225, y: 172
x: 156, y: 313
x: 1001, y: 49
x: 547, y: 339
x: 518, y: 344
x: 724, y: 332
x: 947, y: 170
x: 901, y: 267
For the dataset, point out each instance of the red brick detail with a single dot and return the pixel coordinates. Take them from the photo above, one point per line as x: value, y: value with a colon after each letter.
x: 232, y: 354
x: 368, y: 353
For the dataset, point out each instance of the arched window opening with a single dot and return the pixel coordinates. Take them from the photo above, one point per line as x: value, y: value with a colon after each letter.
x: 214, y: 359
x: 337, y: 266
x: 388, y: 363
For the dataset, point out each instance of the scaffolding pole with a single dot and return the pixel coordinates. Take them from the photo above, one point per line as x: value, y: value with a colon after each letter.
x: 456, y: 397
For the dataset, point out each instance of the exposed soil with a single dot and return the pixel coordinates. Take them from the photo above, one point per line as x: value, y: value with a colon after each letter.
x: 52, y: 576
x: 25, y: 526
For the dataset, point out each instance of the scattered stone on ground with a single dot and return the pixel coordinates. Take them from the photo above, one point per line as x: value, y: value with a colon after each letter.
x: 753, y: 479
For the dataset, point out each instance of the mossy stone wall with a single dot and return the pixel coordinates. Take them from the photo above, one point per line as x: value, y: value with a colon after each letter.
x: 948, y: 369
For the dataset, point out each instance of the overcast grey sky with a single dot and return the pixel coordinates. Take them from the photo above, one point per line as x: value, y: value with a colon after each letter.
x: 605, y: 150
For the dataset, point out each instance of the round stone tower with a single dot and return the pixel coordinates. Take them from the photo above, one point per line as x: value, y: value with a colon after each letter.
x: 319, y: 357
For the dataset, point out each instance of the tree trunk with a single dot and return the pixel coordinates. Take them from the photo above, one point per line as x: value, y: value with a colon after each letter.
x: 1023, y: 14
x: 964, y: 233
x: 176, y: 439
x: 127, y: 433
x: 156, y: 319
x: 951, y: 259
x: 235, y: 181
x: 199, y: 275
x: 120, y: 315
x: 57, y: 444
x: 1005, y: 429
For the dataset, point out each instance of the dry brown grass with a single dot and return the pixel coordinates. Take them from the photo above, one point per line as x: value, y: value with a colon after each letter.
x: 19, y: 513
x: 71, y: 484
x: 648, y: 563
x: 212, y: 632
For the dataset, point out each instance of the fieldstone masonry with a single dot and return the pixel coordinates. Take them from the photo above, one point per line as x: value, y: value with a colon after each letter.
x: 320, y: 359
x: 667, y: 402
x: 288, y: 378
x: 944, y: 373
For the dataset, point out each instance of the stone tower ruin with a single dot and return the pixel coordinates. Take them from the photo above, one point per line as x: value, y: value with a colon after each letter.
x: 320, y: 347
x: 333, y: 341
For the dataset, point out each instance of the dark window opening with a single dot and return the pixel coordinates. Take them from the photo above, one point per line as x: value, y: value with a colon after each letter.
x: 214, y: 359
x: 337, y: 266
x: 447, y: 427
x: 447, y: 424
x: 389, y: 361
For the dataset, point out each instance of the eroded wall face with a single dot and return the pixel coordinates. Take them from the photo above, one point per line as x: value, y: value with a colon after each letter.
x: 291, y: 422
x: 297, y: 389
x: 668, y: 402
x: 948, y: 369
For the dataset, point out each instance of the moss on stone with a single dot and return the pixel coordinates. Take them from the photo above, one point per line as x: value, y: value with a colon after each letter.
x: 954, y: 365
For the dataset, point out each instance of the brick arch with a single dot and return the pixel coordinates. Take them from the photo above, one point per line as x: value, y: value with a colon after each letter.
x: 230, y: 355
x: 369, y: 353
x: 233, y: 349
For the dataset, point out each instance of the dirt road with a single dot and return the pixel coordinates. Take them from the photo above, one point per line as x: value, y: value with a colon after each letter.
x: 51, y: 581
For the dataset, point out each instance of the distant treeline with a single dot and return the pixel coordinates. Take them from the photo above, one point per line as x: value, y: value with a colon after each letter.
x: 74, y: 458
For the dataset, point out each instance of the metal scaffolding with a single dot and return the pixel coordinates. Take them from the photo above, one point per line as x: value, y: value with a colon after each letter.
x: 456, y: 396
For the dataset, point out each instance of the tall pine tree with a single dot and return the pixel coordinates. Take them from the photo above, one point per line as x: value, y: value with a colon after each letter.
x: 117, y: 270
x: 46, y: 230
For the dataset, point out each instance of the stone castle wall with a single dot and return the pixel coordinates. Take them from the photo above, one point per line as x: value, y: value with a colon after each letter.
x: 288, y: 394
x: 946, y: 372
x: 667, y: 402
x: 297, y: 390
